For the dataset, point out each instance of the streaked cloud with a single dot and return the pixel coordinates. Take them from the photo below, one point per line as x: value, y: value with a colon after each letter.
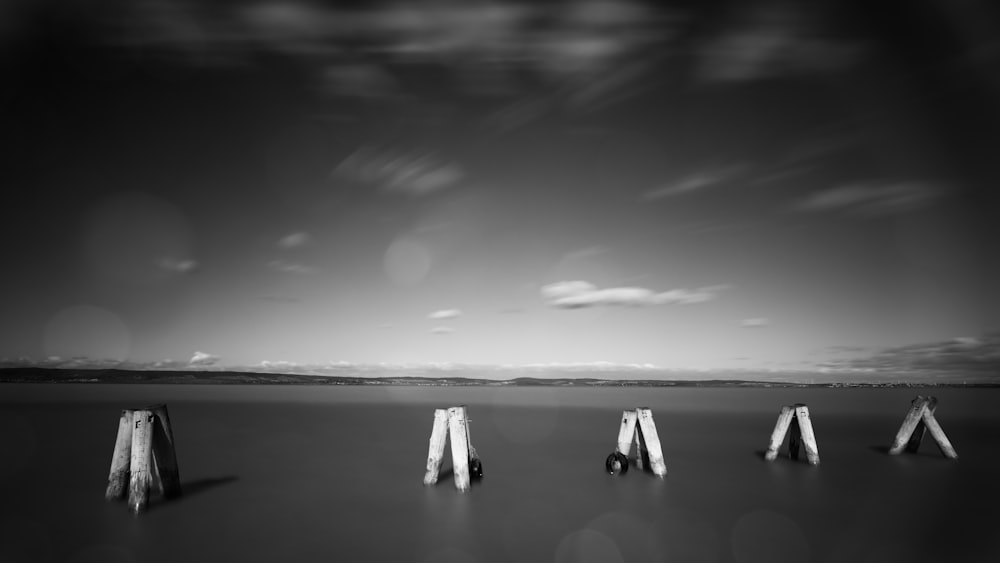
x: 767, y: 41
x: 757, y: 322
x: 175, y: 265
x: 959, y: 358
x: 579, y: 294
x: 394, y: 171
x: 694, y: 182
x: 445, y: 314
x: 203, y: 359
x: 294, y: 240
x: 871, y: 199
x: 442, y: 330
x: 290, y: 267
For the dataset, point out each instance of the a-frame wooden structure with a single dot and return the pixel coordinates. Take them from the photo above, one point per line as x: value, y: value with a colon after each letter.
x: 918, y: 421
x: 795, y: 417
x: 464, y: 458
x: 638, y: 426
x: 144, y: 455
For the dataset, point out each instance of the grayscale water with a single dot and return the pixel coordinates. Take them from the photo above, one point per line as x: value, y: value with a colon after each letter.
x: 334, y: 474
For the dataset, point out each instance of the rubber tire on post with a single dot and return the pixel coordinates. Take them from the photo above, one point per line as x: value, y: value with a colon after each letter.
x: 622, y: 461
x: 476, y: 468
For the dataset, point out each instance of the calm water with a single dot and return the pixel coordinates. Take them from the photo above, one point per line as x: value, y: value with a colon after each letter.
x: 334, y: 474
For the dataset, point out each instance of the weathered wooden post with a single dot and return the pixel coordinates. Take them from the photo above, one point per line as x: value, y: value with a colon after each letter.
x: 801, y: 434
x: 120, y: 460
x: 164, y: 455
x: 435, y: 452
x: 919, y: 417
x: 139, y: 466
x: 144, y: 453
x: 464, y: 458
x: 637, y: 425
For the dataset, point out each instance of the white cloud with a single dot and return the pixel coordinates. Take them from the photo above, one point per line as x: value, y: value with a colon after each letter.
x: 294, y: 240
x: 578, y: 294
x: 290, y: 267
x: 871, y: 199
x: 445, y: 314
x: 175, y: 265
x: 755, y: 322
x: 442, y: 330
x: 203, y: 359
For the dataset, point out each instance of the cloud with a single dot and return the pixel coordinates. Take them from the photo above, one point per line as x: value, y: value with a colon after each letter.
x: 757, y: 322
x: 579, y: 294
x: 294, y: 240
x: 962, y: 357
x: 870, y: 199
x: 445, y: 314
x: 412, y: 173
x: 290, y: 267
x: 692, y: 183
x: 770, y: 41
x: 175, y: 265
x: 203, y: 359
x: 442, y: 330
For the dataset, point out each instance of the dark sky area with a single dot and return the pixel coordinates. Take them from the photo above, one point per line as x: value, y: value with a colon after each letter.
x: 652, y: 186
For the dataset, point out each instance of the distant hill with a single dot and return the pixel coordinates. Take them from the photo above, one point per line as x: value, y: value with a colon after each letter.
x: 121, y: 376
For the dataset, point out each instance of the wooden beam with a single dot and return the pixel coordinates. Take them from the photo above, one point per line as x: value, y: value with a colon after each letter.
x: 652, y: 439
x: 808, y: 436
x: 435, y: 450
x: 913, y: 417
x: 938, y: 434
x: 625, y: 432
x: 164, y: 455
x: 778, y: 434
x: 120, y: 460
x: 459, y: 447
x: 139, y: 465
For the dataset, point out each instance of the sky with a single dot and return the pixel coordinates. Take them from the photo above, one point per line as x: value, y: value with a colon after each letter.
x: 286, y: 184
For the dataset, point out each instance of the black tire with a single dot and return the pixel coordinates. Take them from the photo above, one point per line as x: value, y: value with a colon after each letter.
x: 476, y: 468
x: 616, y: 464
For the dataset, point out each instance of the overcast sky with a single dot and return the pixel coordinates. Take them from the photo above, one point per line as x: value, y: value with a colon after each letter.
x: 722, y: 185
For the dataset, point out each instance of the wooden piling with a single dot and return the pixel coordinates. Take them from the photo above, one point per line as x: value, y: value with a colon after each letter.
x: 459, y: 447
x: 625, y: 432
x: 121, y: 459
x: 435, y: 451
x: 652, y: 439
x: 164, y: 455
x: 938, y: 434
x: 778, y: 435
x: 141, y: 454
x: 639, y: 449
x: 808, y: 436
x: 913, y: 417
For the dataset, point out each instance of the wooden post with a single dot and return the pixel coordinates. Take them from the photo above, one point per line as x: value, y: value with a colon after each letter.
x: 794, y: 438
x: 475, y: 464
x: 459, y: 447
x: 435, y: 452
x: 164, y: 455
x: 808, y: 436
x: 120, y: 460
x: 625, y: 432
x: 938, y: 434
x: 778, y: 435
x: 652, y: 439
x: 139, y: 466
x: 921, y: 429
x: 906, y: 430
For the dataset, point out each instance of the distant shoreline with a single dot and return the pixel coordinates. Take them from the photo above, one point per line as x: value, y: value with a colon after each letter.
x: 118, y: 376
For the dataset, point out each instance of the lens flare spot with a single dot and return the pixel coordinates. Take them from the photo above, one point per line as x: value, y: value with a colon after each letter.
x: 87, y: 331
x: 407, y: 262
x: 764, y: 535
